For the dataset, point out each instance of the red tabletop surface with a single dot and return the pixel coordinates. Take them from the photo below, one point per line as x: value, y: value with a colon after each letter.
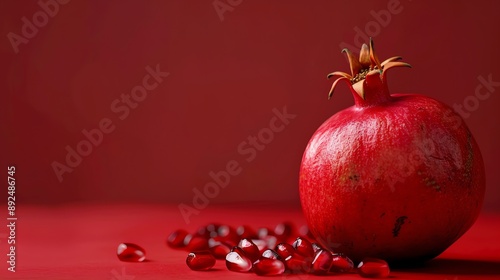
x: 80, y: 241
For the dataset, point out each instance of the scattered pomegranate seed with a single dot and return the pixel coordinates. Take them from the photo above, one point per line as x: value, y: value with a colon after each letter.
x: 237, y: 261
x: 285, y: 250
x: 228, y: 234
x: 218, y: 249
x: 130, y: 252
x: 304, y: 231
x: 270, y: 254
x: 316, y: 247
x: 251, y: 250
x: 263, y: 232
x: 195, y: 243
x: 322, y: 262
x: 204, y: 231
x: 373, y: 268
x: 176, y: 239
x: 200, y: 260
x: 341, y: 264
x: 265, y: 266
x: 303, y: 247
x: 261, y: 244
x: 298, y: 264
x: 284, y: 230
x: 270, y: 241
x: 246, y: 232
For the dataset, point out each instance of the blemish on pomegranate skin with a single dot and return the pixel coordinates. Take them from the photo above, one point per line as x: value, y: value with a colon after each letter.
x: 397, y: 226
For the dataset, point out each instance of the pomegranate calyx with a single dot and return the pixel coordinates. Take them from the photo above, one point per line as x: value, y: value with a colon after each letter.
x: 367, y: 64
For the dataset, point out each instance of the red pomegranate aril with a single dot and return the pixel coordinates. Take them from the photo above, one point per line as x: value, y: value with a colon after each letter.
x: 263, y: 232
x: 200, y: 260
x: 237, y: 261
x: 341, y: 264
x: 322, y: 262
x: 304, y: 231
x: 298, y: 264
x: 218, y: 249
x: 270, y: 241
x: 261, y: 244
x: 130, y: 252
x: 202, y: 232
x: 228, y: 235
x: 270, y: 254
x: 283, y: 230
x: 303, y: 247
x: 195, y: 243
x: 284, y: 250
x: 176, y: 239
x: 251, y: 250
x: 268, y: 267
x: 246, y: 232
x: 373, y: 268
x: 316, y: 247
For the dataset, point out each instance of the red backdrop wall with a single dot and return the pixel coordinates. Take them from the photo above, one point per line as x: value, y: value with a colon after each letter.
x: 232, y: 65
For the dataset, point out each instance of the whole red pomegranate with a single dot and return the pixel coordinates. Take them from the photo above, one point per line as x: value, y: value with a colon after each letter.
x: 396, y: 176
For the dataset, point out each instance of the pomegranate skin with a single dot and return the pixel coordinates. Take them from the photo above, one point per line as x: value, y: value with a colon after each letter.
x: 400, y: 180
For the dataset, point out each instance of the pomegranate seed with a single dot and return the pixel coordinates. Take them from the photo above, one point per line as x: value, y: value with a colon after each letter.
x: 373, y: 268
x: 218, y: 249
x: 341, y: 263
x: 237, y: 261
x: 322, y: 262
x: 246, y: 232
x: 270, y: 254
x: 176, y: 239
x: 206, y: 231
x: 298, y: 264
x: 228, y: 235
x: 294, y: 262
x: 265, y: 266
x: 263, y: 232
x: 270, y: 241
x: 303, y: 247
x: 284, y: 230
x: 304, y: 231
x: 200, y: 260
x: 251, y: 250
x: 261, y: 244
x: 195, y: 243
x: 284, y: 250
x: 129, y: 252
x: 316, y: 247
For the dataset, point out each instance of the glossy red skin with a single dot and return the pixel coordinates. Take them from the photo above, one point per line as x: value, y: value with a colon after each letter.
x: 401, y: 180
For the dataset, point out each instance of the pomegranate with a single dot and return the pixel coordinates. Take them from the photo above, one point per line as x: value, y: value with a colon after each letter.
x: 396, y: 176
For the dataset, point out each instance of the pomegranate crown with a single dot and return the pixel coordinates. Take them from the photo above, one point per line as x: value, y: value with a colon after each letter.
x: 367, y: 66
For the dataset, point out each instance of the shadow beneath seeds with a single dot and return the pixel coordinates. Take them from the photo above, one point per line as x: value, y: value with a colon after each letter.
x: 456, y: 267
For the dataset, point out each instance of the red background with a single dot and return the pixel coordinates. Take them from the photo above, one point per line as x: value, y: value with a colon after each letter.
x: 226, y: 76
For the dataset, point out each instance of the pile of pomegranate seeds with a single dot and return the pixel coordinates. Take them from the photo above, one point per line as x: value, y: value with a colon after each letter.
x: 267, y: 252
